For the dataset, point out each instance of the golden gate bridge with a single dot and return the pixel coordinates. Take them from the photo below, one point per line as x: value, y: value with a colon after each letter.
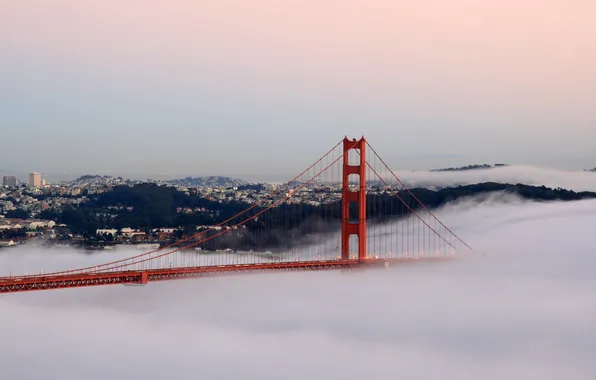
x: 323, y: 214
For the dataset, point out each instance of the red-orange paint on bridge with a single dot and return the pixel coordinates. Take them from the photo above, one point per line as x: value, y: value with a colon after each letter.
x: 141, y: 277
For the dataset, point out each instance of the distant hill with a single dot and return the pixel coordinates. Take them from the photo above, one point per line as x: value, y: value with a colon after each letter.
x: 591, y: 170
x: 91, y: 177
x: 94, y: 179
x: 469, y: 167
x: 209, y: 181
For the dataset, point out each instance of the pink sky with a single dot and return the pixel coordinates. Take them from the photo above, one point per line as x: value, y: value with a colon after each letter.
x: 528, y: 63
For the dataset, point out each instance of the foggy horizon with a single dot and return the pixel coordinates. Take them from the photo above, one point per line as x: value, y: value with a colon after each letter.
x: 576, y: 180
x: 406, y: 163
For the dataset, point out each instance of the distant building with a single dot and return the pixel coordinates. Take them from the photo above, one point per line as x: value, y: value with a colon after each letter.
x: 9, y: 181
x: 34, y: 179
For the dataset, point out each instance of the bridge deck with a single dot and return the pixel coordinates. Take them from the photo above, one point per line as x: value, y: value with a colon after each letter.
x: 76, y: 280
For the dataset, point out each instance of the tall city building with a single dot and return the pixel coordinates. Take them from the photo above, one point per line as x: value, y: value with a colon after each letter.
x: 34, y: 179
x: 9, y: 181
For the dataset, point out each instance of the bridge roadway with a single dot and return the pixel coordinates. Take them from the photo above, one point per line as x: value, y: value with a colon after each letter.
x: 142, y: 277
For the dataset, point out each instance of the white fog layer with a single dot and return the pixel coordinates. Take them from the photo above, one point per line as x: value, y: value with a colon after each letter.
x: 523, y: 308
x: 528, y: 175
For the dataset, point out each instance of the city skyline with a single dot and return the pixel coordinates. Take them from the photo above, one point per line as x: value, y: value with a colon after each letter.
x: 448, y: 161
x: 224, y: 88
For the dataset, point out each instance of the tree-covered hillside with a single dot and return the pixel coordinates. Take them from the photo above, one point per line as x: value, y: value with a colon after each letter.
x: 148, y: 206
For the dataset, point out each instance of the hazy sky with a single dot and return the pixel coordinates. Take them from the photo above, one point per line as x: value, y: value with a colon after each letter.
x: 263, y: 87
x: 526, y: 310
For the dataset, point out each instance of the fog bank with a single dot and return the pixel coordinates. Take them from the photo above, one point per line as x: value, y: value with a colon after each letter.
x: 527, y: 175
x: 522, y: 308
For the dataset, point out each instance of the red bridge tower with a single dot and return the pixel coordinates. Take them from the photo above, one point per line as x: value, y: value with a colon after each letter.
x: 357, y: 198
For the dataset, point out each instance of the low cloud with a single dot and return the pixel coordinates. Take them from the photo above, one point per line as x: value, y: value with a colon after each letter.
x: 528, y: 175
x: 522, y: 308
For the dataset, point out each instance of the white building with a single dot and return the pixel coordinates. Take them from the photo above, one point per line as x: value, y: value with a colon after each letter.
x: 35, y: 225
